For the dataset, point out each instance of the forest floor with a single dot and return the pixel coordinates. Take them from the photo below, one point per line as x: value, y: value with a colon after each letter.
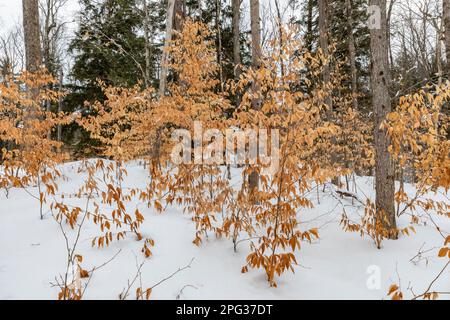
x: 339, y: 265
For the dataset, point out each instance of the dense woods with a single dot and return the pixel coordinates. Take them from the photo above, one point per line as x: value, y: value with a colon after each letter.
x: 331, y: 90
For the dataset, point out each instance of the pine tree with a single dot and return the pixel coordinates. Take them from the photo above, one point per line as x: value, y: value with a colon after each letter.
x: 107, y: 47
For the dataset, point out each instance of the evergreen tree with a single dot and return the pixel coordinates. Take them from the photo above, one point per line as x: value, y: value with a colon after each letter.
x: 107, y: 46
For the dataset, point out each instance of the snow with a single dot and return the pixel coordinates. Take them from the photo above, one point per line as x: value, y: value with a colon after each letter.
x: 338, y: 266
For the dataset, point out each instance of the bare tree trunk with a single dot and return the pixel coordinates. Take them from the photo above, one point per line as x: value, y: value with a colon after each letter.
x: 180, y: 8
x: 165, y: 55
x: 174, y: 22
x: 438, y: 54
x: 256, y: 33
x: 253, y: 178
x: 384, y: 171
x: 309, y: 25
x: 280, y: 34
x: 236, y: 37
x: 59, y: 128
x: 324, y: 43
x: 388, y: 31
x: 46, y: 34
x: 446, y: 12
x: 236, y: 19
x: 324, y: 29
x: 352, y: 54
x: 31, y: 34
x: 147, y: 44
x: 219, y: 42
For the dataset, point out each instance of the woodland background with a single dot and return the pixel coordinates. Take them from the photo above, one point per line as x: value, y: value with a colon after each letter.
x: 107, y: 84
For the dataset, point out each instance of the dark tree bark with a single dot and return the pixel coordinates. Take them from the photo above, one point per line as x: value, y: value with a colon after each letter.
x: 324, y: 43
x: 180, y: 9
x: 32, y: 35
x: 352, y: 53
x: 147, y: 43
x: 309, y: 25
x: 324, y: 29
x: 219, y: 42
x: 380, y: 77
x: 446, y: 12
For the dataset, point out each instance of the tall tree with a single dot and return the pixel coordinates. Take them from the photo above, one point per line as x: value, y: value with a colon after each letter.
x: 324, y: 41
x: 146, y: 18
x: 107, y: 47
x: 179, y: 15
x: 384, y: 176
x: 236, y: 4
x: 446, y: 13
x: 31, y: 34
x: 256, y: 42
x: 219, y: 48
x: 309, y: 25
x: 324, y: 28
x: 256, y: 63
x: 168, y: 38
x: 352, y: 53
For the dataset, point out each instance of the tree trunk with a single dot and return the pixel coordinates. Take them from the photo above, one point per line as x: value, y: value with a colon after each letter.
x: 256, y: 33
x: 219, y: 42
x: 280, y: 34
x: 352, y: 54
x: 446, y: 12
x: 31, y: 34
x: 380, y: 77
x: 236, y: 19
x: 165, y: 55
x: 388, y: 32
x: 438, y: 54
x: 179, y: 15
x: 236, y: 37
x: 174, y: 22
x: 253, y: 178
x: 309, y: 26
x: 147, y: 44
x: 59, y: 128
x: 324, y: 43
x: 324, y: 29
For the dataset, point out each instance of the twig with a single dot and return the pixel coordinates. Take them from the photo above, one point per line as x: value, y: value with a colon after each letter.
x: 432, y: 283
x: 91, y: 272
x: 178, y: 297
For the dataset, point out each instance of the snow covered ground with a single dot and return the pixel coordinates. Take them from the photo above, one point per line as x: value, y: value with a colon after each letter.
x: 338, y: 266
